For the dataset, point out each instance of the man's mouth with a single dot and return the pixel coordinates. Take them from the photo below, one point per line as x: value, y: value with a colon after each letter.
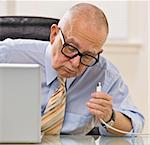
x: 69, y: 70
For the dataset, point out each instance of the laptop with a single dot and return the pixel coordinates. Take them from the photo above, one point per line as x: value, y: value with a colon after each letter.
x: 20, y: 115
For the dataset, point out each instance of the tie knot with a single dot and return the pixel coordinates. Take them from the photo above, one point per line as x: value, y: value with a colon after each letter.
x: 62, y: 80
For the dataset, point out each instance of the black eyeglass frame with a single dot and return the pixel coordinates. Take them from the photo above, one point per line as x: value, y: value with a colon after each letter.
x: 79, y: 53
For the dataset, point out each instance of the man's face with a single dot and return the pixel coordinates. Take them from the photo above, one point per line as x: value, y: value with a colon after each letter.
x: 85, y: 42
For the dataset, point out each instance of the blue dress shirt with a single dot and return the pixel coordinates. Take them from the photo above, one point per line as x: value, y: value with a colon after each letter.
x: 78, y: 119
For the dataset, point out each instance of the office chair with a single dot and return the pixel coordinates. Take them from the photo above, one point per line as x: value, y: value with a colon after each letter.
x: 27, y: 27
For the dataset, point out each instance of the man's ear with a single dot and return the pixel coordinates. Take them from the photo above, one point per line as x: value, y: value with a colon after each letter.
x: 53, y: 32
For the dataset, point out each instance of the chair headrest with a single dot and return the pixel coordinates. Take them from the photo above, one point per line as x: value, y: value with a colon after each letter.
x: 26, y: 27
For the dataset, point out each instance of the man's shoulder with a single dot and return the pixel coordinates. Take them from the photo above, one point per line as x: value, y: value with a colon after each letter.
x: 22, y: 45
x: 23, y: 50
x: 10, y: 41
x: 108, y: 65
x: 107, y: 68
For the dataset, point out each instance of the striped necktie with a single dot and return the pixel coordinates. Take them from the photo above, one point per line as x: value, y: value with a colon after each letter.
x: 53, y: 117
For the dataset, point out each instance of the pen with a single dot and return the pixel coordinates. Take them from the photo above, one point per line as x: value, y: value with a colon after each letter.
x: 99, y: 87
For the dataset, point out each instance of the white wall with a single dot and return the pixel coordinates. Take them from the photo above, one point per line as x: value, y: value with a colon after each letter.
x: 127, y: 46
x: 148, y: 63
x: 48, y: 9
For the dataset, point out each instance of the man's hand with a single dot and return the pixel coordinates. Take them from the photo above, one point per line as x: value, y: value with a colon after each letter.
x: 100, y: 105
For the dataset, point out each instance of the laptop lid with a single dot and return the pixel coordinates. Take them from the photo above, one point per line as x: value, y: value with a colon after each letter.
x: 20, y: 115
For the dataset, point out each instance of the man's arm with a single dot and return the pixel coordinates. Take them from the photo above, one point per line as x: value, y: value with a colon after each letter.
x: 101, y: 106
x: 122, y: 122
x: 3, y: 53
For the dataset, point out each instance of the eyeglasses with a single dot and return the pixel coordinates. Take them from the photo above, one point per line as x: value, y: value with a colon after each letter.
x: 71, y: 52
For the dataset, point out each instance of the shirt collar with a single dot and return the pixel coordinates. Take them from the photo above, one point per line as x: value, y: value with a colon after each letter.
x: 51, y: 73
x: 69, y: 81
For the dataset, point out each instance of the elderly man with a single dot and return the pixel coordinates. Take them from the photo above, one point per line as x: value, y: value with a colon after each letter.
x: 71, y: 68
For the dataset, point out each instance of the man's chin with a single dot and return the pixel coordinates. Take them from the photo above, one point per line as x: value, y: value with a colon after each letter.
x: 68, y: 75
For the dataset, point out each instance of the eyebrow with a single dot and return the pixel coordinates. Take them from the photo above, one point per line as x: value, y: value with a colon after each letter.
x: 73, y: 42
x: 77, y: 46
x: 90, y: 53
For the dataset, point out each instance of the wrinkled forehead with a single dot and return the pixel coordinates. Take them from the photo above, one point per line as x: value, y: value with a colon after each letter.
x: 85, y: 32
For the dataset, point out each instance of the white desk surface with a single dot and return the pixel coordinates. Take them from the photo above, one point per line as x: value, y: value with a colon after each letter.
x: 96, y: 140
x: 92, y: 140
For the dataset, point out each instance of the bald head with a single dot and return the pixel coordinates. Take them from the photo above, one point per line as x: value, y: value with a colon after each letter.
x: 86, y: 15
x: 81, y: 34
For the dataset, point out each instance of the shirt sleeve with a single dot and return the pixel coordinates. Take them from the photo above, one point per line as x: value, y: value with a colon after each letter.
x: 22, y: 51
x: 3, y: 52
x: 122, y: 102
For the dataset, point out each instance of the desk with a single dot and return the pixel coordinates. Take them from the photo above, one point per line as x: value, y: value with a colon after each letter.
x: 92, y: 140
x: 96, y: 140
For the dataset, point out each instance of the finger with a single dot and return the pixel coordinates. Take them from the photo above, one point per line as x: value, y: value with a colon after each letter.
x: 101, y: 102
x: 101, y: 95
x: 95, y: 106
x: 105, y: 110
x: 98, y: 113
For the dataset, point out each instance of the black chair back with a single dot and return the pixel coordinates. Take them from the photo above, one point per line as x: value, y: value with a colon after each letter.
x: 26, y: 27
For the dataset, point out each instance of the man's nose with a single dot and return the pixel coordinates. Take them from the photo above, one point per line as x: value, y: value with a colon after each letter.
x: 75, y: 61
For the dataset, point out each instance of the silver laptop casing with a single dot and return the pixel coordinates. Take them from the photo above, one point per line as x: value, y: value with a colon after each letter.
x: 20, y: 115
